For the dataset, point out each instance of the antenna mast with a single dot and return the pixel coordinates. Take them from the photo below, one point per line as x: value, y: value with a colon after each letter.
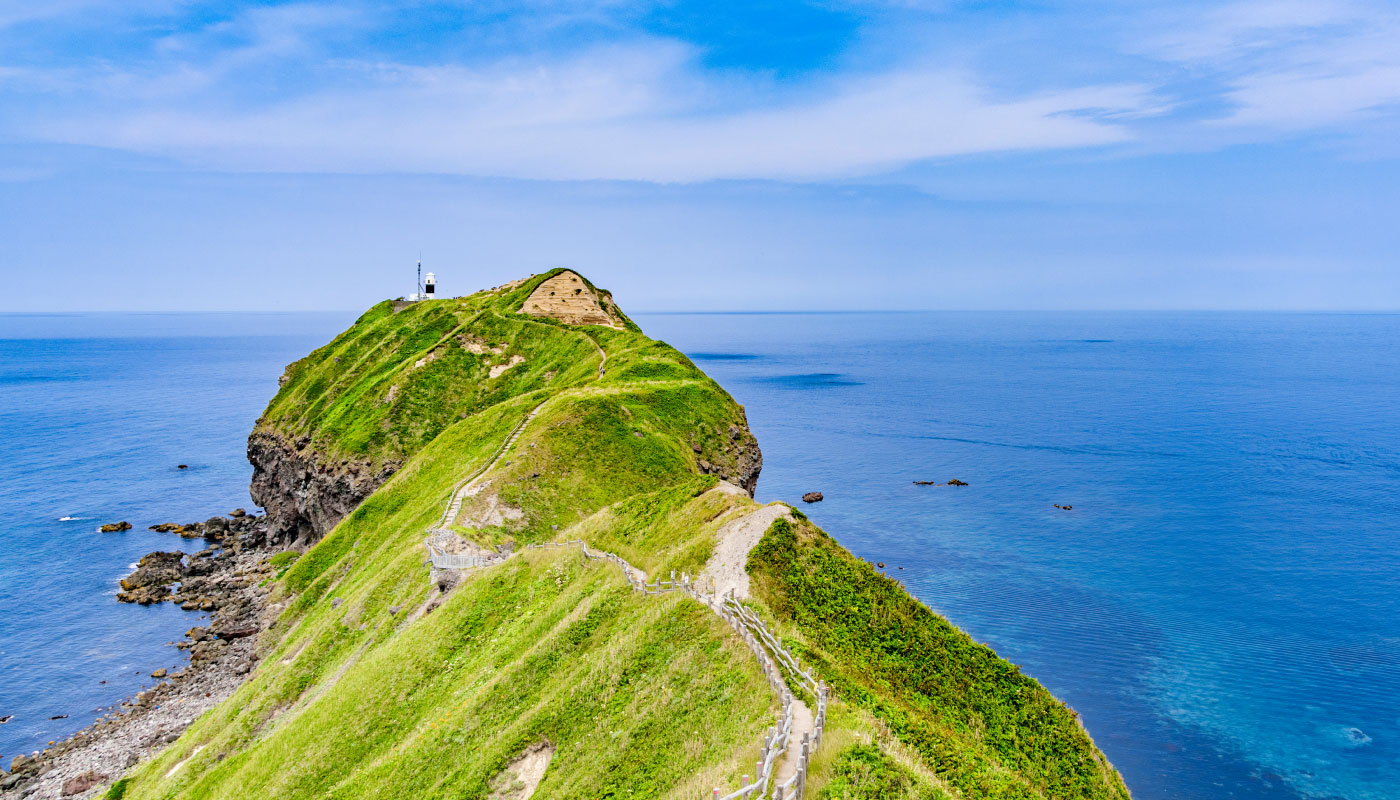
x: 420, y: 275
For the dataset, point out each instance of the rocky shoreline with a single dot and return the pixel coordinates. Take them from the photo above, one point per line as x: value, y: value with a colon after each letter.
x: 226, y: 579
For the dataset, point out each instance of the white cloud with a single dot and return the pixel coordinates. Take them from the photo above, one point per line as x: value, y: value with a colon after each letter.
x: 641, y: 113
x: 1290, y: 65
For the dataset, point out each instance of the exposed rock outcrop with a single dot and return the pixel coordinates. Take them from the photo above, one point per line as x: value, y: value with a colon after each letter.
x: 304, y: 495
x: 738, y: 459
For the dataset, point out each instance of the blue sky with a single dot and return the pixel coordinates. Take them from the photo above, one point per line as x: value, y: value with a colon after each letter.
x: 168, y: 154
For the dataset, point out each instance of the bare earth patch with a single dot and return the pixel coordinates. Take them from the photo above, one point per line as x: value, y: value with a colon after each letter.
x: 567, y: 298
x: 521, y: 777
x: 499, y: 370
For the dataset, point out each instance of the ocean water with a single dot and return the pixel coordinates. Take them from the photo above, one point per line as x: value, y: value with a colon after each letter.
x: 1220, y: 603
x: 96, y: 412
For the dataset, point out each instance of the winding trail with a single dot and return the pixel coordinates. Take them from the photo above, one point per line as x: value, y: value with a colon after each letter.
x: 787, y: 746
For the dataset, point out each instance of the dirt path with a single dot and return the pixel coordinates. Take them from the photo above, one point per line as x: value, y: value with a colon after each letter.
x: 725, y: 572
x: 454, y: 504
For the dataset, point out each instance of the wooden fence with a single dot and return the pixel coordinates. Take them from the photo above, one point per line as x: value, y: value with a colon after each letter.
x: 774, y: 659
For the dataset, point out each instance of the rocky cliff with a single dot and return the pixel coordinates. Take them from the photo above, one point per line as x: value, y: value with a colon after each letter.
x: 304, y: 493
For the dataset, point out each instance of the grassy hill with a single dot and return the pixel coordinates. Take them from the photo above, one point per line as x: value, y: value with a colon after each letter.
x: 374, y: 682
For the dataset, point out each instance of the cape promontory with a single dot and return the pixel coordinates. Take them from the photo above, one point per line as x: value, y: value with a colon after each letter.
x: 525, y: 561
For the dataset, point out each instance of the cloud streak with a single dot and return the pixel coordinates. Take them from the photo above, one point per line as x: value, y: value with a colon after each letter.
x: 302, y: 88
x: 635, y: 114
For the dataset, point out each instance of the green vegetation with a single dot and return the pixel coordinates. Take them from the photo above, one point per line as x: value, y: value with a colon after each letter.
x: 865, y: 772
x: 981, y: 726
x: 374, y: 684
x: 283, y: 561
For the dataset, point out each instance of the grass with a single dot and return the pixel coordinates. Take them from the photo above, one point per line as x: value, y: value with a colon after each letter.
x: 975, y: 720
x: 373, y: 685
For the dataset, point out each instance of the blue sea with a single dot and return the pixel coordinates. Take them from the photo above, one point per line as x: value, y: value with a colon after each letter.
x: 1221, y: 603
x: 96, y: 413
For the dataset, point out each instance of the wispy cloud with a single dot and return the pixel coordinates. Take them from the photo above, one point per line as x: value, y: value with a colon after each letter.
x: 306, y: 87
x: 1287, y: 66
x: 642, y: 108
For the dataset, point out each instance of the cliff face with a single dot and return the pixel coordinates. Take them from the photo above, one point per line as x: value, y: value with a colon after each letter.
x: 304, y: 495
x: 350, y: 414
x: 737, y: 460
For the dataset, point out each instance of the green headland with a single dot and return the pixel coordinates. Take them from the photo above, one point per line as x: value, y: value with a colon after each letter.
x: 545, y: 674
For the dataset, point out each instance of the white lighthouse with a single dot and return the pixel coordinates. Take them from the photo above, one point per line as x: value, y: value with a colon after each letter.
x: 426, y: 286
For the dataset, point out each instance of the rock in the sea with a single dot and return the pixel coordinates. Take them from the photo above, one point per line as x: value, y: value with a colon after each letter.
x: 144, y: 595
x: 238, y: 512
x: 956, y: 482
x: 182, y: 466
x: 82, y: 783
x: 116, y: 527
x: 155, y: 569
x: 160, y: 673
x: 812, y: 497
x: 215, y: 528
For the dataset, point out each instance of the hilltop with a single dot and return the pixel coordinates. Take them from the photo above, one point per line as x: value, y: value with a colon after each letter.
x: 487, y: 424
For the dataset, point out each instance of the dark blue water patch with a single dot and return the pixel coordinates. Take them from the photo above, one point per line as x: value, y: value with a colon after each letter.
x: 724, y: 356
x: 810, y: 380
x: 1223, y: 603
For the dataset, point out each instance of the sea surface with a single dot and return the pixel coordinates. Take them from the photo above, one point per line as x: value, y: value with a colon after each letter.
x: 96, y: 413
x: 1221, y: 603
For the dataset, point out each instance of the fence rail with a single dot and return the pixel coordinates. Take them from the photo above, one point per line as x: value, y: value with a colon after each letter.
x: 773, y: 659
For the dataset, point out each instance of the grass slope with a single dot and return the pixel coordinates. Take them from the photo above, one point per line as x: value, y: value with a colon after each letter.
x: 373, y: 684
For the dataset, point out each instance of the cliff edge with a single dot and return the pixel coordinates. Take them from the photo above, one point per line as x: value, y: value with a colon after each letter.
x: 549, y: 580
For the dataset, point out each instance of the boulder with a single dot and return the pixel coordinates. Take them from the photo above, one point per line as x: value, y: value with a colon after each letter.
x: 956, y: 482
x: 155, y: 569
x: 144, y: 595
x: 812, y: 497
x: 116, y: 527
x: 83, y: 783
x: 160, y: 673
x: 215, y: 528
x: 238, y: 513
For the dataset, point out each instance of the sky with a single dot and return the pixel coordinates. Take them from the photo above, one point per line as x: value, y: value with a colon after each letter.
x: 1099, y: 154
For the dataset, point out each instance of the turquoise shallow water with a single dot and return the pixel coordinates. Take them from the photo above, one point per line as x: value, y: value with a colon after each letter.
x: 1220, y: 604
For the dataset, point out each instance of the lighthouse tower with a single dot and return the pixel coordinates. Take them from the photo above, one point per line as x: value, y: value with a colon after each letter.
x: 429, y: 287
